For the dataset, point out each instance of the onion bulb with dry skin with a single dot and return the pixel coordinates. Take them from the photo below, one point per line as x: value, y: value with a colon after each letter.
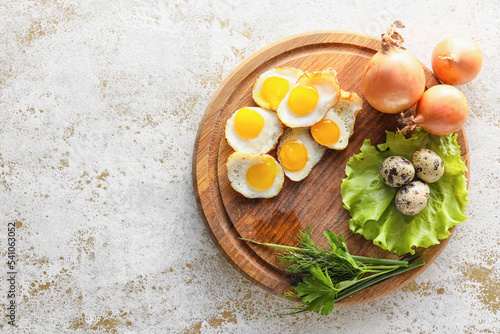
x: 457, y: 60
x: 393, y: 79
x: 442, y: 110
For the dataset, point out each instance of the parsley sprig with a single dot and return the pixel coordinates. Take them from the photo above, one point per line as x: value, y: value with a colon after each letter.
x: 321, y: 276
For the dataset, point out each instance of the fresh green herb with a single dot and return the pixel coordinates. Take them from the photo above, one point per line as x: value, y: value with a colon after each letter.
x: 322, y: 276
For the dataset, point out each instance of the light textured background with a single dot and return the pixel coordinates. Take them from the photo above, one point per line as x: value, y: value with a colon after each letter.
x: 100, y: 103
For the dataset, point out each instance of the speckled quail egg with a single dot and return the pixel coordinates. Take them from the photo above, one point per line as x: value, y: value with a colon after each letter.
x: 412, y: 198
x: 429, y: 166
x: 272, y: 85
x: 298, y: 153
x: 309, y: 99
x: 253, y: 130
x: 255, y: 175
x: 396, y: 171
x: 337, y: 127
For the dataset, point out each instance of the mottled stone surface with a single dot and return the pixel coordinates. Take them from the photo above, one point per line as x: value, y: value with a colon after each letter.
x: 100, y: 104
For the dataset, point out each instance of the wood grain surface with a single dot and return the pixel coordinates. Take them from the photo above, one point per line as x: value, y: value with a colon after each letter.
x: 314, y: 201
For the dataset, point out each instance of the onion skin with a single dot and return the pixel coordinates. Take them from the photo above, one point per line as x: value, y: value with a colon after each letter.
x: 457, y: 60
x: 442, y: 110
x: 393, y: 80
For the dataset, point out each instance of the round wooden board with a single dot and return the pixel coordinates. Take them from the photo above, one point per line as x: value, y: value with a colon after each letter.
x: 314, y: 201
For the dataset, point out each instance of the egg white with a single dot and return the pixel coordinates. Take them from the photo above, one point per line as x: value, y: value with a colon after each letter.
x: 264, y: 142
x: 328, y: 89
x: 237, y: 166
x: 288, y: 73
x: 315, y: 151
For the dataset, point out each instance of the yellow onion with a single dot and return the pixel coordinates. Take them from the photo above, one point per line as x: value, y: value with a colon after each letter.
x: 442, y: 110
x: 457, y: 60
x: 394, y: 79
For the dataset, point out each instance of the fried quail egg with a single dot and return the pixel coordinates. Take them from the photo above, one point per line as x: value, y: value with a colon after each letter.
x: 253, y: 130
x: 298, y: 153
x: 271, y: 86
x: 309, y: 99
x: 254, y: 175
x: 337, y: 127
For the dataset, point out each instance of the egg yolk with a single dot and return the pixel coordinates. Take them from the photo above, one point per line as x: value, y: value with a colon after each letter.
x: 274, y: 90
x: 248, y: 123
x: 303, y: 99
x: 293, y: 155
x: 326, y: 132
x: 261, y: 175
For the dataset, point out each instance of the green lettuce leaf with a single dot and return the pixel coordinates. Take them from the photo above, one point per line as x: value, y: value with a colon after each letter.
x: 371, y: 202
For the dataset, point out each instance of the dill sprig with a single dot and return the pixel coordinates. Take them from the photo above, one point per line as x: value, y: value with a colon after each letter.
x: 323, y: 275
